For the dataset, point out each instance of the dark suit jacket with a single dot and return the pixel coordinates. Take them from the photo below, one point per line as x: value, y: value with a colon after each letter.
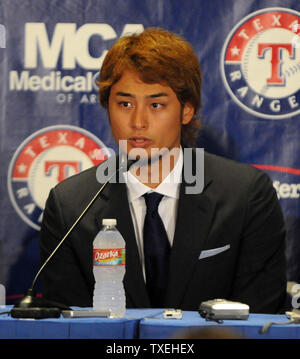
x: 237, y: 211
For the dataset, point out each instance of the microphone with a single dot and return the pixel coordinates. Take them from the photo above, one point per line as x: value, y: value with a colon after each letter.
x: 34, y: 307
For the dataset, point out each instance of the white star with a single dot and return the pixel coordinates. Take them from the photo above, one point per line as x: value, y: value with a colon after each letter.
x: 22, y: 168
x: 235, y: 51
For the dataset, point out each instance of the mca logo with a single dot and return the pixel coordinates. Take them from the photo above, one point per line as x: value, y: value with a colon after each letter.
x: 45, y: 158
x: 260, y: 63
x: 2, y: 37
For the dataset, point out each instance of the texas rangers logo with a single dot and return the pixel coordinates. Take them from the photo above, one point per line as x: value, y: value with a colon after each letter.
x: 45, y: 158
x: 260, y: 63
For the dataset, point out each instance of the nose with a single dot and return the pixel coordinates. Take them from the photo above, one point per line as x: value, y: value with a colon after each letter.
x: 139, y: 118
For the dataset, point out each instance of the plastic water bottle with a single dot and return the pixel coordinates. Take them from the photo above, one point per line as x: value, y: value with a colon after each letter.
x: 2, y: 295
x: 109, y: 270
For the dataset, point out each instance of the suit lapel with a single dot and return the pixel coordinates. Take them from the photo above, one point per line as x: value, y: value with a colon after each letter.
x: 115, y: 205
x: 194, y: 217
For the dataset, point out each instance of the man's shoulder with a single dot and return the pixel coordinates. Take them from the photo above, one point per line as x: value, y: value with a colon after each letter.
x: 81, y: 183
x: 216, y: 162
x: 232, y: 173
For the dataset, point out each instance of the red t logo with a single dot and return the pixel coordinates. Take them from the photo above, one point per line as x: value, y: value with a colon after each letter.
x: 62, y: 168
x: 276, y: 78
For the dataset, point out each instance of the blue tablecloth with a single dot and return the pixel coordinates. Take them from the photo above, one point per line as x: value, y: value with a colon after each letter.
x: 139, y: 324
x: 74, y: 328
x: 158, y: 328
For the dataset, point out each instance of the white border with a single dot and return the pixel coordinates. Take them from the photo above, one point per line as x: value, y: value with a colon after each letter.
x: 222, y: 64
x: 24, y: 143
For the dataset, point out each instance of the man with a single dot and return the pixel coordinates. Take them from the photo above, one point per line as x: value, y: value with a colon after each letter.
x: 225, y: 241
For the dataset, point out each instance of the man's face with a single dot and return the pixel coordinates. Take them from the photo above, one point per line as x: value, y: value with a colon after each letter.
x: 148, y: 116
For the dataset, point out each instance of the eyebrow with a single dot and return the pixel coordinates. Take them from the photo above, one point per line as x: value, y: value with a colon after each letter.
x: 155, y: 95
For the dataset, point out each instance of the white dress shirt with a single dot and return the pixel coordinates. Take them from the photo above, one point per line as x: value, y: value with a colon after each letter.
x: 167, y: 208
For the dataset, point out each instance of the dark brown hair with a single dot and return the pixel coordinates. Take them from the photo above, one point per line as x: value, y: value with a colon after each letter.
x: 158, y: 56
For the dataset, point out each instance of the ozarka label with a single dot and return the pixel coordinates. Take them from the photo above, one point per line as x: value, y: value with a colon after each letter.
x: 109, y: 257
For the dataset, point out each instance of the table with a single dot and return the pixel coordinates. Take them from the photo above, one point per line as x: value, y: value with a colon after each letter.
x: 158, y: 328
x: 139, y: 324
x: 74, y: 328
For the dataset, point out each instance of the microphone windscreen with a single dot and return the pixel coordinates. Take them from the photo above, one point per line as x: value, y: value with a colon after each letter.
x: 131, y: 162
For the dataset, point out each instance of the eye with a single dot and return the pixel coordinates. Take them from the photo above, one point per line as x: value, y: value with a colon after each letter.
x: 125, y: 104
x: 157, y: 105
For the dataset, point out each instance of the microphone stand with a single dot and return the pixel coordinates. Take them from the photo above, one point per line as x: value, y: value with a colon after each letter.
x: 33, y: 307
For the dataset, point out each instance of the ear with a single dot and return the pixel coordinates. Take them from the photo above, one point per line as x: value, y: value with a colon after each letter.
x: 187, y: 113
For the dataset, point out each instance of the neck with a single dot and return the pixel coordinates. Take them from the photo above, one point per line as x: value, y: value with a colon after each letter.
x: 152, y: 174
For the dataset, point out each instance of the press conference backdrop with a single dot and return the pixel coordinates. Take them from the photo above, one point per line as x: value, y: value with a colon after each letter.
x: 52, y: 125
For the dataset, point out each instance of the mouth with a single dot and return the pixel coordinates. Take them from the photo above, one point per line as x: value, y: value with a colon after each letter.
x: 139, y: 141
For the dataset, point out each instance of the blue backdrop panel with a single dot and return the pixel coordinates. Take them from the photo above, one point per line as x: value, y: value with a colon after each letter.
x: 52, y: 126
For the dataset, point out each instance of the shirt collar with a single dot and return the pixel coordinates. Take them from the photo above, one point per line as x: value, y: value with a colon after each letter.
x: 169, y: 186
